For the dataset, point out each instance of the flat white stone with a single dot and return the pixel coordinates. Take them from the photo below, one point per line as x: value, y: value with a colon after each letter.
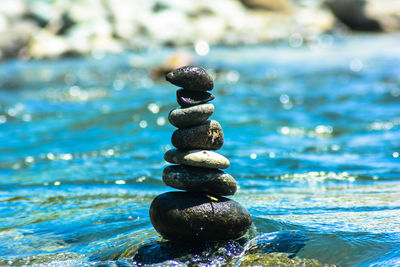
x: 197, y: 158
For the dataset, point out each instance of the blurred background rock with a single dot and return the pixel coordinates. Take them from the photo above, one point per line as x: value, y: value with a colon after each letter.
x: 54, y: 28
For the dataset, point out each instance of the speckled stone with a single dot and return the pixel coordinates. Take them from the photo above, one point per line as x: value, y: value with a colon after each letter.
x: 197, y: 158
x: 197, y: 179
x: 198, y: 217
x: 207, y: 135
x: 188, y: 98
x: 191, y: 78
x: 191, y: 116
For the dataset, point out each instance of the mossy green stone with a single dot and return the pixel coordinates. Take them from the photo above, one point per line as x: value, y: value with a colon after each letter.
x: 279, y: 259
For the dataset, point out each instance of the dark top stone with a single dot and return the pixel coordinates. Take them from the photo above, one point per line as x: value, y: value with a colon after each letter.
x: 191, y: 116
x: 191, y: 78
x: 198, y: 217
x: 188, y: 98
x: 196, y: 179
x: 207, y: 135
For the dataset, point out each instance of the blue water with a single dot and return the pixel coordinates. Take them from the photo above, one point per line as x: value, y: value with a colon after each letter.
x: 312, y: 133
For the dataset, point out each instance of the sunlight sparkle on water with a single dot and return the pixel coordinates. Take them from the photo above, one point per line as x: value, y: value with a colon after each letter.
x: 161, y: 121
x: 110, y: 152
x: 66, y: 156
x: 154, y: 108
x: 3, y: 119
x: 296, y: 40
x: 315, y: 176
x: 284, y: 99
x: 118, y: 85
x: 356, y: 65
x: 29, y: 159
x: 143, y: 124
x: 202, y: 48
x: 232, y: 76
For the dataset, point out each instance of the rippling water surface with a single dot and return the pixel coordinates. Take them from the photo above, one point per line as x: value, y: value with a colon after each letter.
x: 312, y: 134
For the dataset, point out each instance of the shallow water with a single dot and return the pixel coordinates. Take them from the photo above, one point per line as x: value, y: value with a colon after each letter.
x: 312, y: 134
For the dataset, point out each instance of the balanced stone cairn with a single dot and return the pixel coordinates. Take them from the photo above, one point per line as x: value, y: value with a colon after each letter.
x: 200, y: 213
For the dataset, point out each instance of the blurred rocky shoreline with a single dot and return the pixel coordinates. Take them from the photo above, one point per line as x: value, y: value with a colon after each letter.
x: 34, y: 29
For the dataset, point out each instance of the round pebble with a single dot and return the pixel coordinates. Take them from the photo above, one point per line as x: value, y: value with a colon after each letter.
x: 197, y: 158
x: 191, y: 78
x: 207, y: 135
x: 191, y: 116
x: 198, y: 217
x: 198, y: 179
x: 188, y: 98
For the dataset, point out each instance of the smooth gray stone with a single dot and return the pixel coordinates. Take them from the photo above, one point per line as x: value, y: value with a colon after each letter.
x: 197, y: 158
x: 198, y: 179
x: 191, y: 78
x: 198, y: 217
x: 191, y: 116
x: 189, y: 98
x: 207, y: 135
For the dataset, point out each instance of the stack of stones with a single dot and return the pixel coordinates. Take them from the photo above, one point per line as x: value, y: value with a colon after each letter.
x: 200, y: 213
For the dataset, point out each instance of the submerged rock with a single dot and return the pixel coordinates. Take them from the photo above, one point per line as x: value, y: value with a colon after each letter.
x: 207, y: 135
x: 191, y: 78
x: 187, y: 253
x: 190, y: 116
x: 278, y: 259
x: 197, y: 158
x: 198, y: 217
x: 188, y: 98
x: 197, y: 179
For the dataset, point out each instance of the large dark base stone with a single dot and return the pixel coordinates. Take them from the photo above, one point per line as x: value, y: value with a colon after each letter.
x: 198, y: 217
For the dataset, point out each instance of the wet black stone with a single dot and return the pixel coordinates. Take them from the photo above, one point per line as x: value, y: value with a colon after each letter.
x: 207, y: 135
x: 197, y: 179
x: 190, y: 116
x: 198, y: 217
x: 188, y: 98
x: 191, y: 78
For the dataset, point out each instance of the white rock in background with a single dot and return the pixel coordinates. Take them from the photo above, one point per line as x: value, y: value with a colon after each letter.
x: 123, y: 13
x: 386, y: 12
x: 87, y: 10
x: 45, y: 44
x: 12, y: 8
x: 3, y: 23
x: 210, y: 28
x: 170, y: 26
